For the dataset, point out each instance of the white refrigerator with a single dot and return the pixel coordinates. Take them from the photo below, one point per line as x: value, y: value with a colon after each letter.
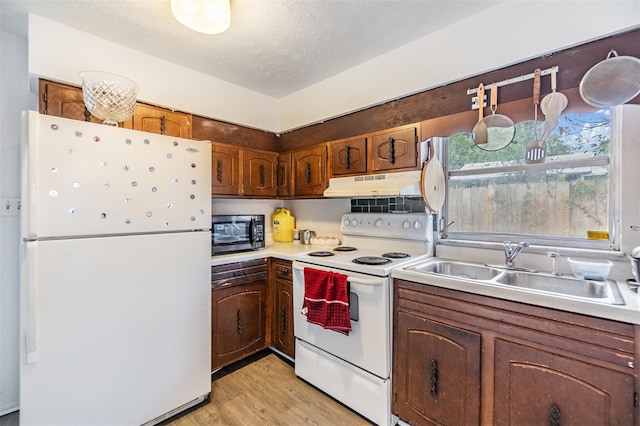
x: 115, y: 274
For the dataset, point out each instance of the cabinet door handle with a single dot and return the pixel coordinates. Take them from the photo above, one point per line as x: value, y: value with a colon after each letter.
x: 554, y: 416
x: 280, y: 174
x: 433, y: 377
x: 283, y: 270
x: 219, y: 176
x: 392, y: 150
x: 283, y: 319
x: 346, y: 157
x: 261, y: 174
x: 240, y: 322
x: 307, y: 172
x: 163, y: 124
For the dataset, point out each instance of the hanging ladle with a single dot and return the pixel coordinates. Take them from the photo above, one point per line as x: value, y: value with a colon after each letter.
x: 494, y: 131
x: 552, y: 106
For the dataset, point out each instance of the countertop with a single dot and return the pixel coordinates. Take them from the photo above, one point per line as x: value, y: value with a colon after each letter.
x: 629, y: 312
x: 284, y: 251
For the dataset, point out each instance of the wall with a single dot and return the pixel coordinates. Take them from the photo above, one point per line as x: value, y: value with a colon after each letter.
x: 322, y: 216
x: 511, y: 32
x: 162, y: 83
x: 14, y: 97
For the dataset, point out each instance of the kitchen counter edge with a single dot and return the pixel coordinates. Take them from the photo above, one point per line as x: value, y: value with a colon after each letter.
x: 285, y: 251
x: 629, y: 313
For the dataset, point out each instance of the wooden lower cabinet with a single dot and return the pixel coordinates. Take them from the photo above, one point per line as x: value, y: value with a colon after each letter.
x: 537, y: 387
x: 239, y: 305
x: 461, y: 358
x: 283, y: 338
x: 442, y: 384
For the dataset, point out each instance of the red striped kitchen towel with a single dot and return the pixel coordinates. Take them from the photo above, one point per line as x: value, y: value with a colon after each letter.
x: 326, y: 300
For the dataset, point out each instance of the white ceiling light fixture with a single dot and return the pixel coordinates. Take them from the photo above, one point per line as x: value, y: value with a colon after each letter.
x: 204, y: 16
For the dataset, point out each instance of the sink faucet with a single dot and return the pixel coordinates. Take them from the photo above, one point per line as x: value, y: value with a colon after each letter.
x: 511, y: 251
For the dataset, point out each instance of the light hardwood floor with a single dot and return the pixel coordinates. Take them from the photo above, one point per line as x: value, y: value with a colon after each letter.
x: 264, y: 390
x: 267, y: 392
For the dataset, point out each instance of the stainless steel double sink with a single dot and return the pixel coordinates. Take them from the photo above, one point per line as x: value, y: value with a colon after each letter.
x: 568, y: 286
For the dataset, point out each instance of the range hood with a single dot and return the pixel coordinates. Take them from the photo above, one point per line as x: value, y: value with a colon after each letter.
x: 380, y: 185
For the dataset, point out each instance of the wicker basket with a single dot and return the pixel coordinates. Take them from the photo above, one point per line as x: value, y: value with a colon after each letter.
x: 109, y: 97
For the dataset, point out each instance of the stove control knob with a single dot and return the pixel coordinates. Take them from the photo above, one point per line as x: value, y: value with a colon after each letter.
x: 346, y: 222
x: 379, y: 223
x: 354, y: 222
x: 417, y: 224
x: 406, y: 224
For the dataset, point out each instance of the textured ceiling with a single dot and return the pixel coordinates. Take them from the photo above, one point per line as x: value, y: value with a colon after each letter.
x: 274, y: 47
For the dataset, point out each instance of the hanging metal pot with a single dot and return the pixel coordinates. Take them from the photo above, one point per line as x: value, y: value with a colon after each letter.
x: 614, y: 81
x: 494, y: 131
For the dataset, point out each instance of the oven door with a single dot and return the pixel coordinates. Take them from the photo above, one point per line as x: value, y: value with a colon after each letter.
x: 368, y: 344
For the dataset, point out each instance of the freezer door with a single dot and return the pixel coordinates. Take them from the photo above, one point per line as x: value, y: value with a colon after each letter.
x: 114, y: 330
x: 83, y: 178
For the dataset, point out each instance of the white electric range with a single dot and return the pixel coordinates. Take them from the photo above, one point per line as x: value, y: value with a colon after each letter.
x: 356, y: 368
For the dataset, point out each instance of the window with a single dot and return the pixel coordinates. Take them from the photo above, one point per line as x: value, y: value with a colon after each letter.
x: 567, y: 200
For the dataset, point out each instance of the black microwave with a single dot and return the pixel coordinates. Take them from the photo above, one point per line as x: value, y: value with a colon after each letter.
x: 230, y: 233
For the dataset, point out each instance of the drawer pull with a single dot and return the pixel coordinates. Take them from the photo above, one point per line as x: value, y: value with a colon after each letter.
x: 307, y: 173
x: 433, y: 377
x: 240, y: 322
x: 554, y: 416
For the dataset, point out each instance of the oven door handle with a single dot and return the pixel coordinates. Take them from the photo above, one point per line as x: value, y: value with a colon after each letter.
x: 365, y: 281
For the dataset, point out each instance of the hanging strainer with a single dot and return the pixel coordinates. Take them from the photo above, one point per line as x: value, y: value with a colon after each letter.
x: 109, y: 97
x: 614, y: 81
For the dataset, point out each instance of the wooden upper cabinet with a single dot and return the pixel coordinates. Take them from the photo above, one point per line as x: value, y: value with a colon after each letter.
x: 283, y: 177
x: 225, y: 169
x: 153, y: 119
x: 66, y: 101
x: 395, y: 149
x: 347, y: 157
x: 260, y: 173
x: 309, y: 171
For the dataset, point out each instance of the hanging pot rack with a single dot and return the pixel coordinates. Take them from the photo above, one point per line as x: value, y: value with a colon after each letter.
x: 473, y: 91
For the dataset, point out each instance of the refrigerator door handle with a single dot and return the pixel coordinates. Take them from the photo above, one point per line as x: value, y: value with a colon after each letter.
x: 31, y: 315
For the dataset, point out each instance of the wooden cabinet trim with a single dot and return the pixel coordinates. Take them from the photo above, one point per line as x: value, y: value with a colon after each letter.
x: 591, y: 338
x: 576, y: 352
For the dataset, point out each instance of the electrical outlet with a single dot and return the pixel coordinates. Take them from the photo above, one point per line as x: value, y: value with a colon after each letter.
x: 9, y: 206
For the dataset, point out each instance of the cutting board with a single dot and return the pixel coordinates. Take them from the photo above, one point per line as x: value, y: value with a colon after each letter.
x: 432, y: 180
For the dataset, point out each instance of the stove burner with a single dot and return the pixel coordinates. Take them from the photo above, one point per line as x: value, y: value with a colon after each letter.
x: 396, y: 255
x: 345, y: 248
x: 321, y: 254
x: 371, y: 260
